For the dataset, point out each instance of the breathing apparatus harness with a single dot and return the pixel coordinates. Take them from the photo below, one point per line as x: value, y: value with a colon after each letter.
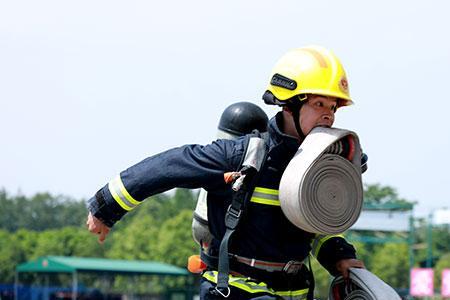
x: 243, y: 183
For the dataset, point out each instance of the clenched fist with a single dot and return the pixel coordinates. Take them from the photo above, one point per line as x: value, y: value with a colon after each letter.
x: 96, y: 226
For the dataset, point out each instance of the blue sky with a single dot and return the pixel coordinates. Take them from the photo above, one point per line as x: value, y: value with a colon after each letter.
x: 88, y: 88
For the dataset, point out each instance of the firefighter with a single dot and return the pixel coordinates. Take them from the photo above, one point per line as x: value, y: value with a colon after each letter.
x: 267, y: 253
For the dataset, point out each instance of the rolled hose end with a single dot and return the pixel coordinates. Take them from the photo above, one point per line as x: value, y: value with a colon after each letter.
x: 321, y: 189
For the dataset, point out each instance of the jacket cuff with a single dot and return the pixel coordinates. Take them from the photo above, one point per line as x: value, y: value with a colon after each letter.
x: 103, y: 207
x: 332, y: 251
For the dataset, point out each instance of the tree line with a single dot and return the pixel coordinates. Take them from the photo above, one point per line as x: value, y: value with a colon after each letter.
x: 160, y: 230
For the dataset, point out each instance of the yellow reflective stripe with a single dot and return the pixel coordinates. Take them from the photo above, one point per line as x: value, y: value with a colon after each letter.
x: 253, y: 287
x: 250, y: 287
x: 265, y: 201
x: 117, y: 198
x: 125, y: 192
x: 319, y: 240
x: 303, y: 292
x: 121, y: 195
x: 266, y: 191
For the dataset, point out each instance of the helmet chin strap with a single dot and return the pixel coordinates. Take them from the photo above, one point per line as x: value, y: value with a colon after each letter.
x: 295, y: 109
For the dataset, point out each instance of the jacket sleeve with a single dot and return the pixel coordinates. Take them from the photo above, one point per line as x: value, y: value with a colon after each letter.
x: 189, y: 166
x: 329, y: 249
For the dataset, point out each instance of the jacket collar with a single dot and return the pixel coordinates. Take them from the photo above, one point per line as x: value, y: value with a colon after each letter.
x: 278, y: 138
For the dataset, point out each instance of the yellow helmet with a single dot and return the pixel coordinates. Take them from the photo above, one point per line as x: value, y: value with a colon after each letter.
x: 308, y: 70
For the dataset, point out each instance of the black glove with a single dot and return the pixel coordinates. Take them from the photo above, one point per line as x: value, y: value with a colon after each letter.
x: 364, y: 159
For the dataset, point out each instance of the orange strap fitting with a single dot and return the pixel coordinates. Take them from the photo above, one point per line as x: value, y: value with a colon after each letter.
x: 195, y: 264
x: 229, y: 177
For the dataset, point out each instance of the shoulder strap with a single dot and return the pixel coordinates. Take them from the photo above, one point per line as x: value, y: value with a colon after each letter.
x: 253, y: 159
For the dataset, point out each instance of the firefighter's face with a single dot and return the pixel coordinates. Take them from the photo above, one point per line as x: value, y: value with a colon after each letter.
x: 317, y: 111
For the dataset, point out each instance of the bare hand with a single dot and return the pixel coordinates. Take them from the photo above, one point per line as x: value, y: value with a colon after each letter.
x: 345, y: 264
x: 96, y: 226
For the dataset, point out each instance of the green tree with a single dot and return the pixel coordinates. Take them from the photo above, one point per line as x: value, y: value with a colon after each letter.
x: 175, y: 237
x: 390, y: 263
x: 376, y: 194
x: 67, y: 241
x: 9, y: 214
x: 441, y: 240
x: 15, y: 248
x: 40, y: 212
x: 442, y: 263
x: 8, y: 258
x: 364, y: 252
x: 322, y: 280
x: 440, y: 237
x: 137, y: 240
x: 56, y: 222
x: 25, y: 242
x: 137, y: 235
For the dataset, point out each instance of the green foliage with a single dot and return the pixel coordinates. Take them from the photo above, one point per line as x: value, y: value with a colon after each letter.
x: 160, y: 230
x: 40, y: 212
x: 440, y: 240
x: 24, y: 242
x: 376, y: 194
x: 175, y: 237
x: 364, y: 252
x: 67, y: 241
x: 140, y: 235
x: 137, y: 240
x: 443, y: 263
x: 8, y: 257
x: 386, y: 254
x: 390, y: 263
x: 47, y: 225
x: 322, y: 279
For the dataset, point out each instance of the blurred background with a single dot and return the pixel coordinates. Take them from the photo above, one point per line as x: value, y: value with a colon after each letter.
x: 88, y: 88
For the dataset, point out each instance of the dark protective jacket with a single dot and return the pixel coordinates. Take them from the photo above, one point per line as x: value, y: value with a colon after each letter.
x: 264, y: 233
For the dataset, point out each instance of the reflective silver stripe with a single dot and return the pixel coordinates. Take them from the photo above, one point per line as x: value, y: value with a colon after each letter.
x: 290, y: 267
x: 121, y: 195
x: 254, y: 155
x: 265, y: 196
x: 250, y: 286
x: 269, y: 266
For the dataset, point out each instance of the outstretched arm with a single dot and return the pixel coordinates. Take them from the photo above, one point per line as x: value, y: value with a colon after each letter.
x: 190, y: 166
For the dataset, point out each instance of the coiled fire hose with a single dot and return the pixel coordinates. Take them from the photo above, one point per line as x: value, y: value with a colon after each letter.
x: 362, y: 285
x: 321, y: 188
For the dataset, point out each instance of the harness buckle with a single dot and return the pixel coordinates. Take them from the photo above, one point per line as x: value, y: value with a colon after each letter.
x: 232, y: 217
x: 234, y: 212
x: 292, y: 267
x: 222, y: 294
